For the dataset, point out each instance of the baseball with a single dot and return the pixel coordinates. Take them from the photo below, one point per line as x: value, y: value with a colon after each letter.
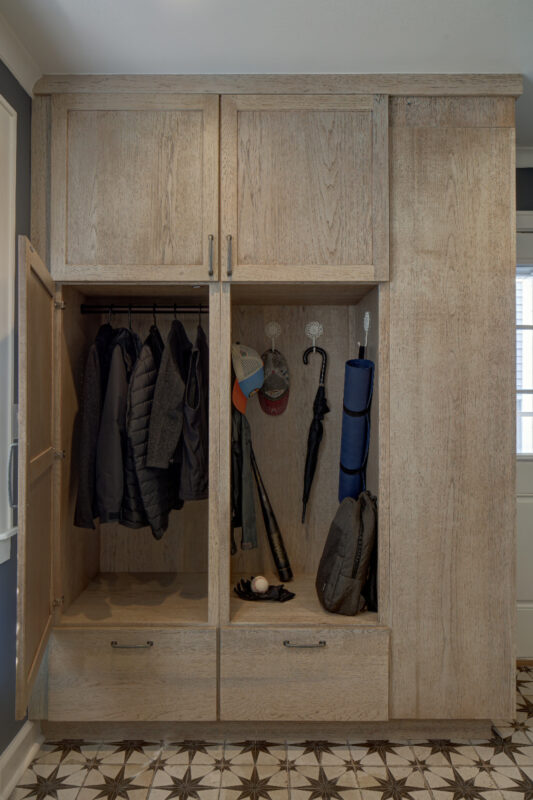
x: 260, y: 584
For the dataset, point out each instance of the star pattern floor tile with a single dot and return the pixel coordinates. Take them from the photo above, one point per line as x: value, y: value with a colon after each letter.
x: 323, y: 783
x: 255, y: 751
x: 192, y: 751
x: 43, y: 781
x: 197, y: 781
x: 254, y: 782
x: 397, y: 783
x: 456, y: 783
x: 113, y: 781
x: 497, y: 768
x: 319, y: 751
x: 378, y: 752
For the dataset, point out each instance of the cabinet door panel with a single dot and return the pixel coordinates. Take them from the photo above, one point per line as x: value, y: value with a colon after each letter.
x: 452, y: 434
x: 304, y: 187
x: 134, y: 187
x: 37, y: 466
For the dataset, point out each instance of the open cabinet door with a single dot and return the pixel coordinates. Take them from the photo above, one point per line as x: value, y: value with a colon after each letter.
x: 37, y: 466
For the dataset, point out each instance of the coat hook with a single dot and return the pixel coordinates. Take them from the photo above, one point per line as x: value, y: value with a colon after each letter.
x: 153, y: 313
x: 272, y: 332
x: 314, y: 330
x: 129, y: 317
x: 109, y: 314
x: 175, y: 311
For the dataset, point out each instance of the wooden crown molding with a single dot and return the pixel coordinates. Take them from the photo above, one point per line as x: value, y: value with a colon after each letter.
x: 399, y: 84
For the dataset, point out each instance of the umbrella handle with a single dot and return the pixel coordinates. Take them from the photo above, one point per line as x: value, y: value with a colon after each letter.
x: 324, y: 361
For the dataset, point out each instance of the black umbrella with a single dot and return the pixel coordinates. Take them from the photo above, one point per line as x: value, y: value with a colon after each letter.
x: 320, y: 408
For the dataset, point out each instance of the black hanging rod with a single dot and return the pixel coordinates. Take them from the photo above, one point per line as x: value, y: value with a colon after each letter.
x: 144, y: 308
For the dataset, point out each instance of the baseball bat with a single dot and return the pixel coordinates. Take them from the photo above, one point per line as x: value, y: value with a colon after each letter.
x: 275, y: 539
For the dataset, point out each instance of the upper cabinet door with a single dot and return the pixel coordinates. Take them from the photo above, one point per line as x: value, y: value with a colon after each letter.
x: 134, y: 187
x: 304, y: 188
x: 37, y: 466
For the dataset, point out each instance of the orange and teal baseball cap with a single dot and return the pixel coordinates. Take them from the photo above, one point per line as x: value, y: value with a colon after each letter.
x: 249, y: 374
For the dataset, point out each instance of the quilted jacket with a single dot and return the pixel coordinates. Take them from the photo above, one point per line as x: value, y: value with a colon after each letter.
x: 153, y: 483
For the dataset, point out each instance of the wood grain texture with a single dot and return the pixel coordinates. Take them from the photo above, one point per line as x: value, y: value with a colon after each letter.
x: 380, y: 186
x: 224, y: 482
x: 141, y: 599
x: 134, y: 186
x: 397, y: 83
x: 183, y: 548
x: 307, y: 294
x: 297, y: 186
x: 173, y: 680
x: 394, y: 730
x: 40, y: 175
x: 303, y: 609
x: 215, y: 357
x: 345, y: 680
x: 452, y: 432
x: 280, y: 443
x: 453, y: 112
x: 37, y: 466
x: 78, y: 549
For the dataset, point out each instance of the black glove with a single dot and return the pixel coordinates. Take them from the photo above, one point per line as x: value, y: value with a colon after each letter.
x: 277, y: 593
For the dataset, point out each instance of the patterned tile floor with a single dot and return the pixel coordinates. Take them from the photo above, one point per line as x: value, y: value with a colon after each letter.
x: 435, y: 769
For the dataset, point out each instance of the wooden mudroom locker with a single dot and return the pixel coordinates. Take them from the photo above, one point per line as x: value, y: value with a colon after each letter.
x: 246, y: 199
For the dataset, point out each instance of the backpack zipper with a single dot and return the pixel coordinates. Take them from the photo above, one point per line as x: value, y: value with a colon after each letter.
x: 359, y: 548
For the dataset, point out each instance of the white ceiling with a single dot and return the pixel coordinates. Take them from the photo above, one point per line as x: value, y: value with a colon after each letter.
x: 287, y: 36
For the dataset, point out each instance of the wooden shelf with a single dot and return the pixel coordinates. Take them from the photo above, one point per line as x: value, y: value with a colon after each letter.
x: 303, y: 609
x: 145, y: 599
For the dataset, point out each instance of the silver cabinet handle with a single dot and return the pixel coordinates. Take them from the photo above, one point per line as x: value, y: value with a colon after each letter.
x: 11, y: 475
x: 211, y: 242
x: 288, y: 643
x: 118, y: 646
x: 229, y: 267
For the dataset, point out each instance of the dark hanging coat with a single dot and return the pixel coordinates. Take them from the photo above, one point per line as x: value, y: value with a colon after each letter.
x: 242, y: 482
x: 152, y: 482
x: 111, y: 446
x: 166, y: 421
x: 194, y: 479
x: 93, y: 393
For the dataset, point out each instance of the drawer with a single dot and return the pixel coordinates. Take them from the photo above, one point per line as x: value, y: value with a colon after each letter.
x: 311, y: 673
x: 172, y: 679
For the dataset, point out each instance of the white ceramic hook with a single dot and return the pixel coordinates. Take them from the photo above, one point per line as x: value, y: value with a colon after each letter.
x: 272, y: 332
x: 314, y: 331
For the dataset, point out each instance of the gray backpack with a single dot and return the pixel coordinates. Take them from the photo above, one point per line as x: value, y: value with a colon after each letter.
x: 345, y: 561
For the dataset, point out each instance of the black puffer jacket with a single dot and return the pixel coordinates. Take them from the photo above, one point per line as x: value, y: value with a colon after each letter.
x: 152, y: 482
x: 111, y: 446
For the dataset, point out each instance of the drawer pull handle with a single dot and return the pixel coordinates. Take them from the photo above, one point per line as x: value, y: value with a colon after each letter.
x: 229, y: 267
x: 211, y: 239
x: 288, y: 643
x: 131, y: 646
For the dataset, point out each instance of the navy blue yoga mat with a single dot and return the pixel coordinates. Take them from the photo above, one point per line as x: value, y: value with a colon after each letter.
x: 355, y: 440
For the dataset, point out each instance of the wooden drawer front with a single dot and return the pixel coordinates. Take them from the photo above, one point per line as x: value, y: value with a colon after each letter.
x: 345, y: 679
x: 174, y: 679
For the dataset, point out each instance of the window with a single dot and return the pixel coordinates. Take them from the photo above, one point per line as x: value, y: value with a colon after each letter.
x: 524, y: 360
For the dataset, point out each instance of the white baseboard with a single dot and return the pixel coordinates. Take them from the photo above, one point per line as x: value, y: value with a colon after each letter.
x: 17, y: 755
x: 524, y: 630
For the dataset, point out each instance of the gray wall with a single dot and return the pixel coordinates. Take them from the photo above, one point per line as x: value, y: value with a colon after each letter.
x: 21, y: 102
